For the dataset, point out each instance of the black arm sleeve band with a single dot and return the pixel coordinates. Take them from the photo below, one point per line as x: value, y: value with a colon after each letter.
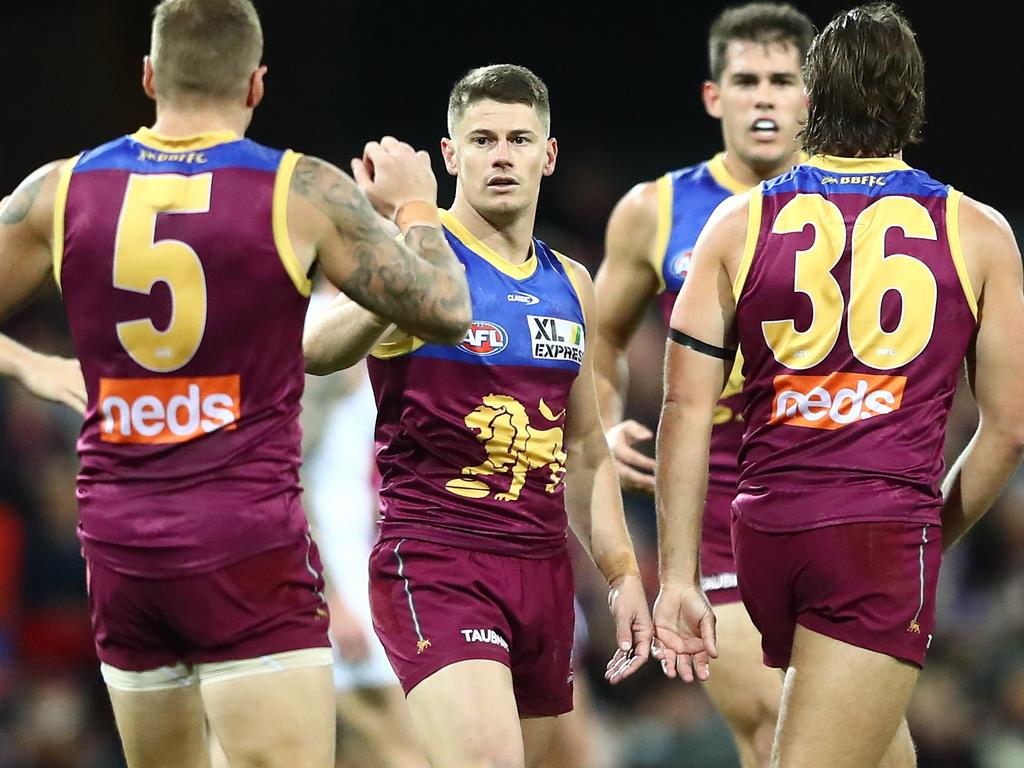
x: 699, y: 346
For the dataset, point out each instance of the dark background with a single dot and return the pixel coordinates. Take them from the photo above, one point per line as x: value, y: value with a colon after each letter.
x: 625, y: 92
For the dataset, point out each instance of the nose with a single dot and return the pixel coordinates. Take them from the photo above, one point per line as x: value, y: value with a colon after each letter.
x: 765, y: 99
x: 502, y: 157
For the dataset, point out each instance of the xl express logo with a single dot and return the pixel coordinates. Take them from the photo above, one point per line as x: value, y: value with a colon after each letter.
x: 553, y: 338
x: 484, y: 338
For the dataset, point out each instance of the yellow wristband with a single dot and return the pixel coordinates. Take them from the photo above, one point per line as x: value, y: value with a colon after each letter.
x: 417, y: 213
x: 621, y: 564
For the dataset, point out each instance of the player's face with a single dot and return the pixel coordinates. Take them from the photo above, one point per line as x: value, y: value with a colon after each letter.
x: 499, y: 153
x: 760, y: 101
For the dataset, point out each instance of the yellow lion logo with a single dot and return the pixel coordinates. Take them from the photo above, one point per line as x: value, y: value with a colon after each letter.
x: 512, y: 445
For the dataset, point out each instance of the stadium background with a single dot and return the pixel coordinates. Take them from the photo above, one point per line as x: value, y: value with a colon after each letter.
x: 625, y: 99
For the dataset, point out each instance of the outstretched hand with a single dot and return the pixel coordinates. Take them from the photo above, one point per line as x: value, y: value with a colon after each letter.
x: 684, y: 629
x: 633, y: 627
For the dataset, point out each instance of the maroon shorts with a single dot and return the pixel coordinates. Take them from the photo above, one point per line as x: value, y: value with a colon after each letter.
x: 268, y: 603
x: 435, y: 605
x: 869, y: 584
x: 717, y: 563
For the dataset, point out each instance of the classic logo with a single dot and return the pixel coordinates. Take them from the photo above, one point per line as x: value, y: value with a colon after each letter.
x: 836, y: 400
x: 484, y: 339
x: 681, y: 264
x: 556, y: 339
x: 167, y: 410
x: 512, y: 446
x: 523, y: 298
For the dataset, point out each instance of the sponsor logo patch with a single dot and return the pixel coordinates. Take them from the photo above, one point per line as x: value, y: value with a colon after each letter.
x: 484, y: 636
x: 519, y: 297
x: 836, y: 400
x: 484, y: 339
x: 167, y: 410
x: 553, y: 338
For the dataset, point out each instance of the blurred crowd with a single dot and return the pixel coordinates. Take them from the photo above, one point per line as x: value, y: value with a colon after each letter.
x: 968, y: 711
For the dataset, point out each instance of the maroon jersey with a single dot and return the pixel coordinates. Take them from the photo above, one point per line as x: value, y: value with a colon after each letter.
x: 470, y: 437
x: 186, y: 305
x: 854, y: 313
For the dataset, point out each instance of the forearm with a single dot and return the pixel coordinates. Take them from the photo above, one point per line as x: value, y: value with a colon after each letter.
x: 340, y: 336
x: 976, y: 479
x: 611, y: 372
x: 593, y: 503
x: 681, y: 479
x: 14, y: 358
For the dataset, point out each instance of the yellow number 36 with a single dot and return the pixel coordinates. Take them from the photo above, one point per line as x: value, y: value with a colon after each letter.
x: 872, y: 275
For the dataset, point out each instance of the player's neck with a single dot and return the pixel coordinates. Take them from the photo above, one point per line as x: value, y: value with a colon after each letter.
x: 749, y: 176
x: 192, y: 122
x: 512, y: 239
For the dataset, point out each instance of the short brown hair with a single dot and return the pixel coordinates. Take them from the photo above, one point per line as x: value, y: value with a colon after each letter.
x: 865, y: 83
x: 205, y: 48
x: 505, y: 83
x: 758, y: 23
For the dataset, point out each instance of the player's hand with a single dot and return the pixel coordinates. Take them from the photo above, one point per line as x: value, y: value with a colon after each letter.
x: 348, y: 633
x: 636, y: 470
x: 391, y: 173
x: 634, y: 630
x: 684, y: 630
x: 54, y: 378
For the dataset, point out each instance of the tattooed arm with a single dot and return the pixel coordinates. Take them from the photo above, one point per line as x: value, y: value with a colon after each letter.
x: 418, y: 284
x: 26, y: 263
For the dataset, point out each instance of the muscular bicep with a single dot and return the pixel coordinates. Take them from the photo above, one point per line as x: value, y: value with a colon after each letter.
x: 26, y: 233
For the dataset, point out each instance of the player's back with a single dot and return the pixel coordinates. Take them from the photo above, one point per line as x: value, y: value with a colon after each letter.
x: 854, y: 314
x: 186, y: 305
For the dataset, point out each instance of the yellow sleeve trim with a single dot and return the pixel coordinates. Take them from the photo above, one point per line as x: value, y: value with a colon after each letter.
x: 956, y: 247
x: 753, y: 230
x: 280, y: 222
x: 60, y: 203
x: 570, y: 270
x: 663, y: 230
x: 397, y: 345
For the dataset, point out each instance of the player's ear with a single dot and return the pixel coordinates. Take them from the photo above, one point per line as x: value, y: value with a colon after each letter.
x: 147, y: 77
x: 448, y: 153
x: 256, y: 87
x: 712, y: 96
x: 550, y: 155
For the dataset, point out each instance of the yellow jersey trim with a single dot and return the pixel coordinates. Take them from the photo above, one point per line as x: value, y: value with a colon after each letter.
x: 570, y: 270
x: 60, y: 202
x: 663, y: 231
x: 718, y: 171
x: 183, y: 143
x: 488, y: 254
x: 279, y: 218
x: 956, y: 247
x: 753, y: 230
x: 403, y: 344
x: 857, y: 164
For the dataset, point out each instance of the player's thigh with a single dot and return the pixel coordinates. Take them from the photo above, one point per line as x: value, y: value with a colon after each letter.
x: 465, y: 716
x: 162, y: 728
x: 378, y: 716
x: 538, y: 736
x: 841, y: 706
x: 743, y: 689
x: 284, y: 718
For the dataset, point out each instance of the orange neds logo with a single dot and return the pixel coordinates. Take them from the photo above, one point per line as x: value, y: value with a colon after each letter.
x: 171, y: 410
x: 833, y: 401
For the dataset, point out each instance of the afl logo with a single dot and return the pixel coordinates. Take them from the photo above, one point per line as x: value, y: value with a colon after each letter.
x: 681, y: 264
x: 484, y: 339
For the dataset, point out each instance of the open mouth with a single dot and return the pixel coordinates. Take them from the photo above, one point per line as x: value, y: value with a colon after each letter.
x: 502, y: 183
x: 765, y: 127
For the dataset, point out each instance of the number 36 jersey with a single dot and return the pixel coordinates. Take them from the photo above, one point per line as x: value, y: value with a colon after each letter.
x: 854, y: 311
x: 186, y: 304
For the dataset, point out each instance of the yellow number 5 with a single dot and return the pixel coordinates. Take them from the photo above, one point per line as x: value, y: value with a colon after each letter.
x: 140, y: 262
x: 872, y: 275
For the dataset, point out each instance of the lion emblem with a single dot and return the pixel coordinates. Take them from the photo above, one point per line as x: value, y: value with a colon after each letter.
x: 513, y: 445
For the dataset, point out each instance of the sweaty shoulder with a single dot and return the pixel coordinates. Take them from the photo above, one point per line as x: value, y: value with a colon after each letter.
x: 989, y: 246
x: 632, y: 228
x: 725, y: 236
x: 32, y: 202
